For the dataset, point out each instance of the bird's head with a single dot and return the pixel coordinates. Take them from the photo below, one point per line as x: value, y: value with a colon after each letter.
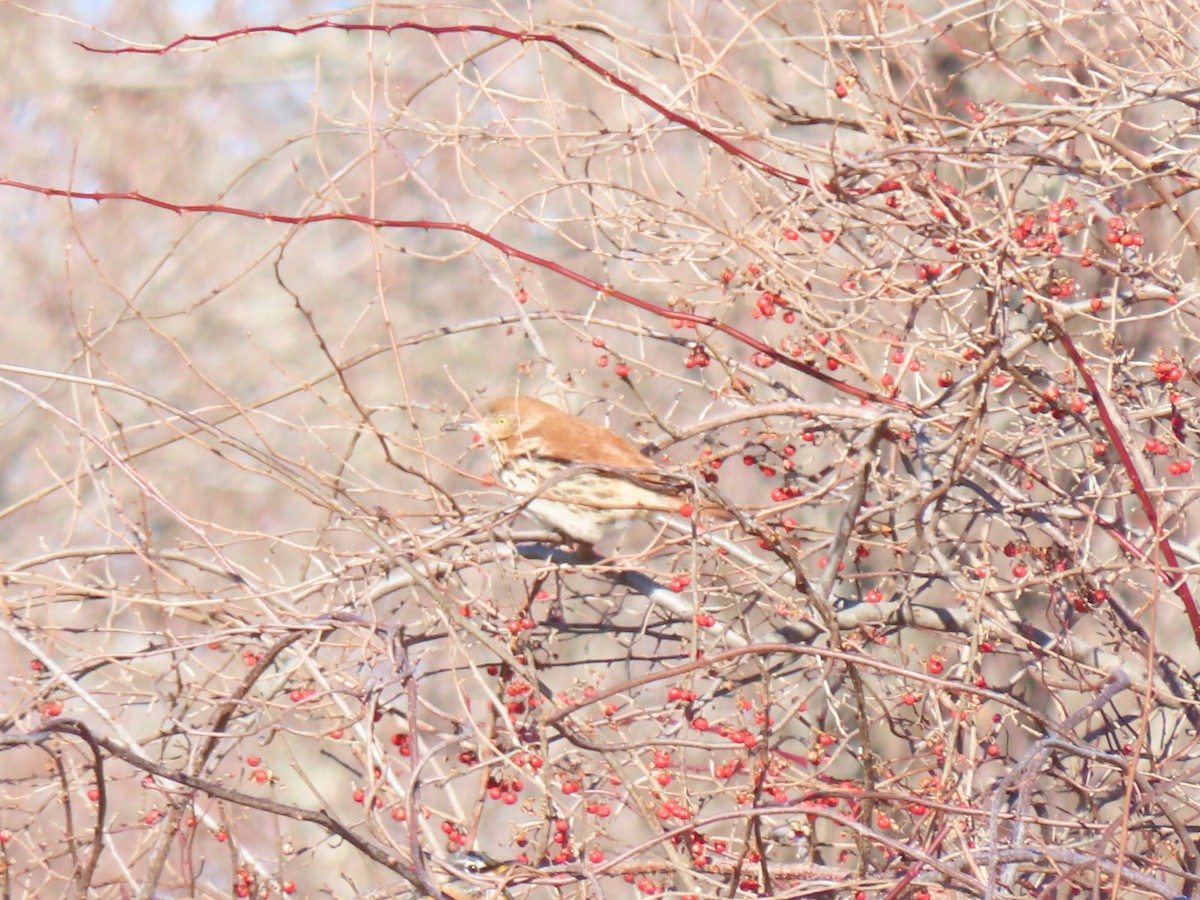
x: 472, y: 863
x: 503, y: 417
x: 475, y: 862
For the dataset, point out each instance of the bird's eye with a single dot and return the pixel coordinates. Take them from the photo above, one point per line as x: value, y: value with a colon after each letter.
x: 474, y: 862
x: 501, y: 420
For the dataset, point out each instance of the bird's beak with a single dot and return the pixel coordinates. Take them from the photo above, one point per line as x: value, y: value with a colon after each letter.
x: 464, y: 423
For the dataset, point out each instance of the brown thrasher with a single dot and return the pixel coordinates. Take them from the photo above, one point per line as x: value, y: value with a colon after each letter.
x: 583, y: 479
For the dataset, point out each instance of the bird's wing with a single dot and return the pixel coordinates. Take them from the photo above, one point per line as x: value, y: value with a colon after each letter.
x: 596, y: 446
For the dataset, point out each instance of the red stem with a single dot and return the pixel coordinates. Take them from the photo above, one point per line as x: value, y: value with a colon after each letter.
x: 503, y: 247
x: 520, y: 36
x: 1172, y: 576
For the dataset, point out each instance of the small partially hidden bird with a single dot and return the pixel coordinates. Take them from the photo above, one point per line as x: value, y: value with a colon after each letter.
x: 583, y: 479
x: 455, y: 887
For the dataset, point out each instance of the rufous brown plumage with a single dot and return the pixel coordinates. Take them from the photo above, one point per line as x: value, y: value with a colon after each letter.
x: 583, y: 479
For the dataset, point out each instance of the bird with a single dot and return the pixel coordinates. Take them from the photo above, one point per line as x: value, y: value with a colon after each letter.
x: 582, y: 479
x: 455, y: 887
